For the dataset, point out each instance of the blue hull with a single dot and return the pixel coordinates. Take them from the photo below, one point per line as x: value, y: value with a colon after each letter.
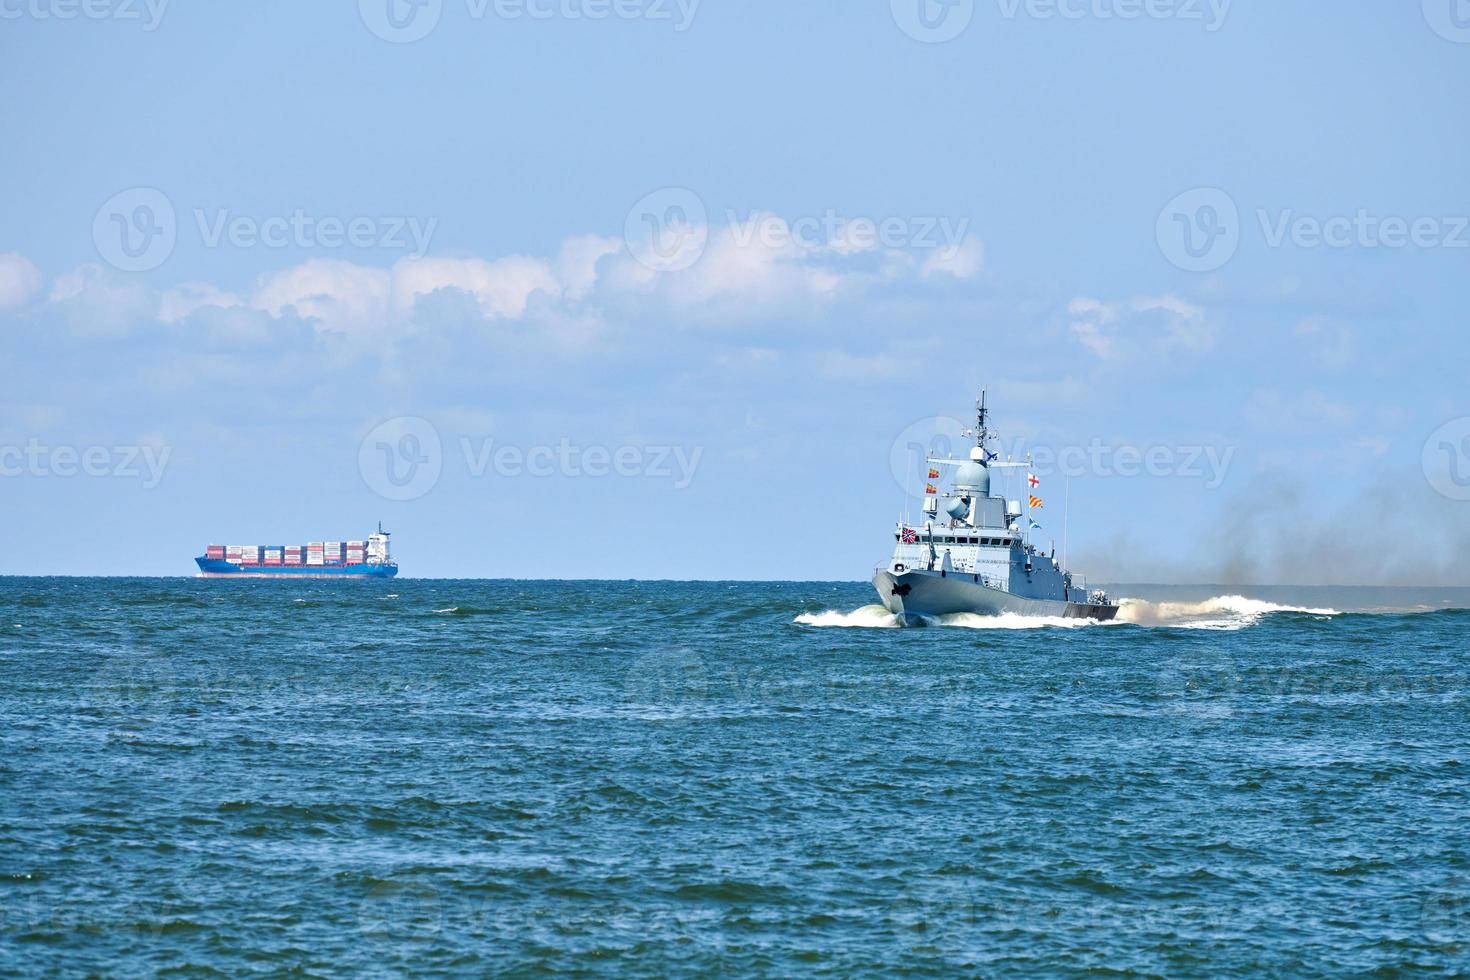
x: 218, y: 568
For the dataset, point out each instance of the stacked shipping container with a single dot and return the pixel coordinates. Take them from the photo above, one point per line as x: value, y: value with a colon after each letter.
x: 316, y: 553
x: 366, y: 559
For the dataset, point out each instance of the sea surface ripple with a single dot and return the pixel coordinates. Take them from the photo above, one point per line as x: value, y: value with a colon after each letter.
x: 437, y: 777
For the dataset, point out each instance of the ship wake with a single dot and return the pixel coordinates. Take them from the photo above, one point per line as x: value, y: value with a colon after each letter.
x: 868, y: 617
x: 1227, y: 612
x: 877, y: 617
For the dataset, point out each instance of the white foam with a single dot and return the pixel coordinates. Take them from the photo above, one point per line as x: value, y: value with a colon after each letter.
x: 877, y: 617
x: 1224, y: 612
x: 1012, y: 621
x: 1228, y: 612
x: 869, y: 617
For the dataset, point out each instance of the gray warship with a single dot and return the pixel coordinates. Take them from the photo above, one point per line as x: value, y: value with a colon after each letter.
x: 975, y: 556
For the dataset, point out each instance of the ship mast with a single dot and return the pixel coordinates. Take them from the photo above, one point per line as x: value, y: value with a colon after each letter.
x: 982, y: 433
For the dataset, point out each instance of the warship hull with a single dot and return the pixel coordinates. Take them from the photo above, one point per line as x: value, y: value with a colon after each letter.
x: 920, y: 593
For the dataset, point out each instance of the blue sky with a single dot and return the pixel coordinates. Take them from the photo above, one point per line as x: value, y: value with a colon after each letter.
x: 1230, y: 239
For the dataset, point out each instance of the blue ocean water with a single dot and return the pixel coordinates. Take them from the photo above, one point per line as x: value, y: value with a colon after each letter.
x: 206, y: 777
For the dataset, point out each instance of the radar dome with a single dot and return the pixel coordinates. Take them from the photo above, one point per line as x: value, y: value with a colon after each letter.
x: 973, y: 476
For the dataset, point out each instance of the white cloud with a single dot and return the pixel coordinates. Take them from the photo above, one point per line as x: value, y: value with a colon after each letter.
x: 842, y: 366
x: 739, y: 273
x: 20, y: 281
x: 1300, y: 412
x: 962, y: 261
x: 738, y: 276
x: 853, y: 237
x: 38, y: 417
x: 96, y: 302
x: 343, y: 297
x: 1154, y: 324
x: 340, y: 296
x: 177, y: 303
x: 1329, y: 343
x: 502, y: 288
x: 577, y: 265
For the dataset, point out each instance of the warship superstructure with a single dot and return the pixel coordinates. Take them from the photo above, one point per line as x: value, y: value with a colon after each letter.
x: 972, y: 552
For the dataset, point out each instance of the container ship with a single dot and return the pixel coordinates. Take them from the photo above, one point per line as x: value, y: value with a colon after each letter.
x: 317, y: 559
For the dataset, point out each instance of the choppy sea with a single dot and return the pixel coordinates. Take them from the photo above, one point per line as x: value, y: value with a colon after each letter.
x: 641, y: 779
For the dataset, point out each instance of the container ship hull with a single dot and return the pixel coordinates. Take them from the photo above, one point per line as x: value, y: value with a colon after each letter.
x: 219, y: 568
